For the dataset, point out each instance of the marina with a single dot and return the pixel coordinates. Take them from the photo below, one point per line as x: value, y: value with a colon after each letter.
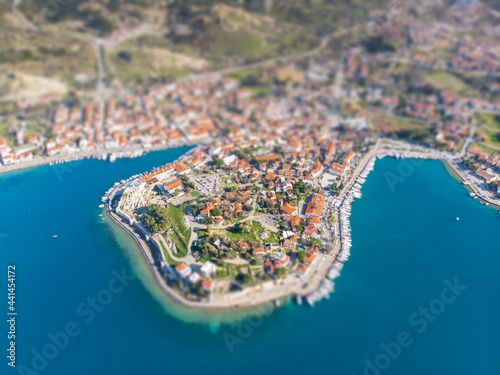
x: 327, y: 286
x: 344, y: 212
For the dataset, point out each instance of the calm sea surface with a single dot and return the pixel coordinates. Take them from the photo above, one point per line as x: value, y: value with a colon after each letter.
x: 419, y: 295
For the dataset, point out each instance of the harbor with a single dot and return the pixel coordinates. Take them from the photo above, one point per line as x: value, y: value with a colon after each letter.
x: 352, y: 192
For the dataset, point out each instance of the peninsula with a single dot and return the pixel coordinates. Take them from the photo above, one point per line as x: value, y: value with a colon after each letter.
x: 225, y: 227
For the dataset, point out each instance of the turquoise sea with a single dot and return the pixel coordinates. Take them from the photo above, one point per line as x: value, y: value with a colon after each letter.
x: 419, y: 295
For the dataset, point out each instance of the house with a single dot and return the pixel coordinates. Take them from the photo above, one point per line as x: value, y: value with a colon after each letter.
x: 315, y: 220
x: 282, y: 258
x: 290, y: 243
x: 486, y: 176
x: 337, y: 169
x: 295, y: 221
x: 208, y: 269
x: 310, y: 258
x: 288, y: 209
x: 349, y: 156
x: 183, y: 270
x: 310, y: 230
x: 193, y: 277
x: 206, y: 211
x: 318, y: 198
x: 172, y: 186
x: 313, y: 249
x: 259, y: 251
x: 219, y: 220
x: 206, y: 284
x: 269, y: 266
x: 303, y: 269
x: 314, y: 209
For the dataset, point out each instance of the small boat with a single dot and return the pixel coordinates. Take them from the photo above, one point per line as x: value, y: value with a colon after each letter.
x: 101, y: 206
x: 458, y: 218
x: 54, y: 236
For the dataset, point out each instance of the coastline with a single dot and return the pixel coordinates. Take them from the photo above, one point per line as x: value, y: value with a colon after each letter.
x: 253, y: 299
x: 170, y: 293
x: 457, y: 174
x: 88, y: 154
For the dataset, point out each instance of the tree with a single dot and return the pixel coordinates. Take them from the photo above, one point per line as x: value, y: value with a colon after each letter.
x: 328, y: 248
x: 216, y: 212
x: 301, y: 255
x: 244, y: 278
x: 210, y: 220
x: 244, y: 227
x: 155, y: 219
x: 281, y: 273
x: 299, y: 228
x: 240, y: 154
x: 220, y: 163
x: 315, y: 242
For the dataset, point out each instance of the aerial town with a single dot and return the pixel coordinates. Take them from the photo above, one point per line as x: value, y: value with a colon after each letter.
x: 260, y: 205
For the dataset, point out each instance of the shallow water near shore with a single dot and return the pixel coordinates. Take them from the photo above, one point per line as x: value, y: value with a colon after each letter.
x: 406, y: 243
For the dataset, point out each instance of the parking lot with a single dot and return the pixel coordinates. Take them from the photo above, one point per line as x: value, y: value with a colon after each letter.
x: 207, y: 185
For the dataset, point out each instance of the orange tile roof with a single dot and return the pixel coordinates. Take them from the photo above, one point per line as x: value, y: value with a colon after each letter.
x: 310, y: 258
x: 289, y: 209
x: 173, y: 184
x: 314, y: 208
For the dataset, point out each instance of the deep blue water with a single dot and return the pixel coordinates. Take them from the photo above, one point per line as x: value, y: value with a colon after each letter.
x: 406, y: 243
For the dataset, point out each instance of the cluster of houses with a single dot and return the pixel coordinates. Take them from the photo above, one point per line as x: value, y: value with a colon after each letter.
x: 203, y: 275
x: 193, y: 111
x: 487, y: 166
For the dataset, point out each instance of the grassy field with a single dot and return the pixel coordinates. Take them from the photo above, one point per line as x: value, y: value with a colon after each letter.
x: 253, y: 236
x: 169, y: 259
x: 483, y: 148
x: 489, y: 120
x: 491, y: 138
x: 259, y: 90
x: 43, y: 62
x: 148, y: 63
x: 181, y: 233
x: 195, y: 194
x: 404, y: 128
x: 398, y: 123
x: 445, y: 81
